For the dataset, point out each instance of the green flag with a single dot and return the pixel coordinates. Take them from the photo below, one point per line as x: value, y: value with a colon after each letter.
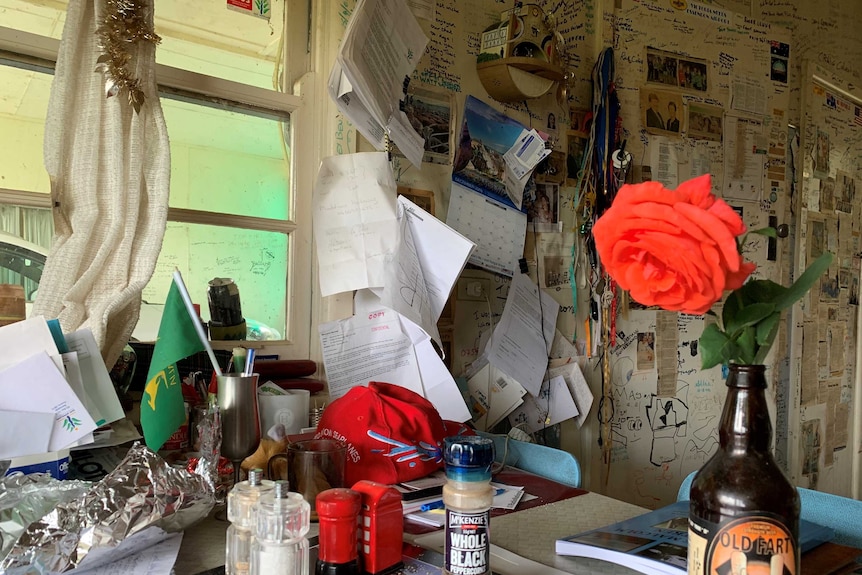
x: 162, y: 410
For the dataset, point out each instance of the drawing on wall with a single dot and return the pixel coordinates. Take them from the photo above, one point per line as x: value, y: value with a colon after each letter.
x: 430, y: 113
x: 667, y: 419
x: 661, y: 111
x: 674, y: 70
x: 646, y: 351
x: 821, y: 155
x: 779, y: 56
x: 543, y: 208
x: 704, y: 122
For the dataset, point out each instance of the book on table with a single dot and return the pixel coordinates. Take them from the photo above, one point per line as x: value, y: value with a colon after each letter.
x: 656, y: 542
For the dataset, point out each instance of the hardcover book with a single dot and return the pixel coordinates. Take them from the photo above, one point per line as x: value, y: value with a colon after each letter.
x: 656, y: 542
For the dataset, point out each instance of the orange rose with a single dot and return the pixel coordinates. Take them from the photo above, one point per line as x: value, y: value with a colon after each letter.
x: 672, y: 248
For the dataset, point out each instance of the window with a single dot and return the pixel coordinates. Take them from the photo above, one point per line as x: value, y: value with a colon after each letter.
x: 234, y: 211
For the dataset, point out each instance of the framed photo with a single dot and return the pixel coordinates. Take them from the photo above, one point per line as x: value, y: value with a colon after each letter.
x: 705, y: 122
x: 662, y: 111
x: 577, y: 146
x: 552, y: 169
x: 578, y: 122
x: 422, y: 198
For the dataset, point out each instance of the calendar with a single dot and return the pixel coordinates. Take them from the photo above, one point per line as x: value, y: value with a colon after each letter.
x: 497, y: 230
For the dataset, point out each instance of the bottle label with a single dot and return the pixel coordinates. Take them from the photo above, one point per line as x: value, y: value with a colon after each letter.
x: 751, y: 545
x: 468, y: 543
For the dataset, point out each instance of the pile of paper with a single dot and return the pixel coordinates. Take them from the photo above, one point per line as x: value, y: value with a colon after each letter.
x: 54, y: 391
x: 404, y: 263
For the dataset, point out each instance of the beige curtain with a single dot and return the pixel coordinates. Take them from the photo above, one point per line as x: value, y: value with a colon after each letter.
x: 110, y: 168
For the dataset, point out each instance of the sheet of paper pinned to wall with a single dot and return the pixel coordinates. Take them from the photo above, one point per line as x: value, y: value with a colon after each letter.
x: 381, y: 46
x: 354, y: 221
x: 522, y: 340
x: 493, y: 396
x: 553, y: 405
x: 664, y: 162
x: 667, y: 363
x: 571, y: 372
x: 744, y: 155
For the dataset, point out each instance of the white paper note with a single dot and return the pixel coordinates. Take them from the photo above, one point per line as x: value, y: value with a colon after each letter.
x: 22, y: 339
x: 493, y: 396
x: 578, y: 387
x: 354, y: 221
x: 98, y: 387
x: 36, y: 384
x: 553, y: 405
x: 518, y: 346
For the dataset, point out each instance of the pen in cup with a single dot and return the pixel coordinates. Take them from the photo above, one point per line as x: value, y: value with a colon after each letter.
x: 249, y: 362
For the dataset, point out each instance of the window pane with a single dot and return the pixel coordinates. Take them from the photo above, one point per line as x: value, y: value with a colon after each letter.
x: 255, y: 260
x: 227, y: 161
x: 23, y: 108
x: 202, y: 36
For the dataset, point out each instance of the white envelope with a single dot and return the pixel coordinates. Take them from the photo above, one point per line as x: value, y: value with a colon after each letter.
x: 36, y: 384
x: 24, y: 433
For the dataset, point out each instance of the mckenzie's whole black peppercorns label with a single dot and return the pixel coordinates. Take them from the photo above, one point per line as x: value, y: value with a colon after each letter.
x: 468, y: 543
x: 751, y: 545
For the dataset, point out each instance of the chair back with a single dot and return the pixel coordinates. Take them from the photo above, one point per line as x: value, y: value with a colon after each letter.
x: 554, y: 464
x: 842, y: 514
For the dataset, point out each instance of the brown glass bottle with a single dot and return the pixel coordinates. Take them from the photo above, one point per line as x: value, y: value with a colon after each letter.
x: 744, y: 512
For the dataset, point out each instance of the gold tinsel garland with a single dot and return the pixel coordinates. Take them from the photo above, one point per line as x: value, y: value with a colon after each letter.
x: 123, y: 25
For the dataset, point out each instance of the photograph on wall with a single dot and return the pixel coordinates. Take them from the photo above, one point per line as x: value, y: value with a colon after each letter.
x: 676, y: 71
x: 542, y: 204
x: 779, y: 53
x: 704, y: 121
x: 853, y: 295
x: 662, y: 68
x: 645, y: 360
x: 693, y: 74
x: 430, y: 113
x: 821, y: 155
x: 827, y: 195
x: 816, y: 238
x: 578, y: 122
x: 845, y: 192
x: 662, y: 111
x: 810, y: 447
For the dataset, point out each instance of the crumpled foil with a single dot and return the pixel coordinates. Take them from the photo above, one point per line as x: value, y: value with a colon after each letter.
x: 26, y: 498
x: 143, y: 491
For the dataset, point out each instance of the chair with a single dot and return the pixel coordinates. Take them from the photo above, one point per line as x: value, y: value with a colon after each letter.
x: 841, y: 514
x: 555, y: 464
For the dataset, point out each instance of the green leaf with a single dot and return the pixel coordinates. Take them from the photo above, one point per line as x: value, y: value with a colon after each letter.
x: 715, y: 347
x: 747, y: 316
x: 766, y: 332
x: 746, y: 344
x: 759, y: 291
x: 767, y: 327
x: 805, y: 281
x: 768, y: 232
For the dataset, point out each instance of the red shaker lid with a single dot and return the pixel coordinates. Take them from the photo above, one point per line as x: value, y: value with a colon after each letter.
x: 338, y: 502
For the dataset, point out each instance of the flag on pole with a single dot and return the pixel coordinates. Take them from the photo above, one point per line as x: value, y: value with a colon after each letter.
x: 162, y: 409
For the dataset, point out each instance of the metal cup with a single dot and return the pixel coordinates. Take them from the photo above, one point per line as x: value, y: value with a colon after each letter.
x: 313, y: 465
x: 240, y: 419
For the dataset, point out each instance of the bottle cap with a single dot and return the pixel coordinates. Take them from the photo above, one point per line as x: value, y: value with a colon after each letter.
x: 468, y: 457
x: 282, y: 515
x: 241, y: 500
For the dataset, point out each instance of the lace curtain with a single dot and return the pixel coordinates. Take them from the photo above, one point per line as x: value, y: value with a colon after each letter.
x: 109, y: 164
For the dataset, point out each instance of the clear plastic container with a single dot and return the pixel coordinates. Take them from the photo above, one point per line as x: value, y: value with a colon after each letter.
x: 279, y: 546
x: 241, y: 505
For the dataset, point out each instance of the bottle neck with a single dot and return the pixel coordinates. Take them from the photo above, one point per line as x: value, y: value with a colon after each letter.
x: 745, y: 424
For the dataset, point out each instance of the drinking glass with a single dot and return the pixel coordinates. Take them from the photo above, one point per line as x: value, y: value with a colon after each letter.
x: 240, y: 419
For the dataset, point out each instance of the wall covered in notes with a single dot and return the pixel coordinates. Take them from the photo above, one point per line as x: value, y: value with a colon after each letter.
x: 822, y: 454
x: 727, y: 78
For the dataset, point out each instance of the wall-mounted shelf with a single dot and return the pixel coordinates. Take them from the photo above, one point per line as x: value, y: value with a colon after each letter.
x: 516, y: 79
